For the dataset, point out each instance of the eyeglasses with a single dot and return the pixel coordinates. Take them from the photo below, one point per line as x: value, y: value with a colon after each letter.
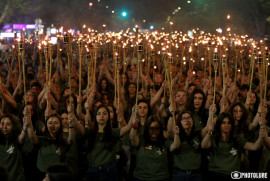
x: 154, y: 128
x: 186, y: 118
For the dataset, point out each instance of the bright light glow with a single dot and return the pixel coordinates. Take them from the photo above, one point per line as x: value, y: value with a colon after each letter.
x: 188, y: 2
x: 124, y: 14
x: 151, y: 27
x: 9, y: 35
x: 90, y: 4
x: 219, y: 30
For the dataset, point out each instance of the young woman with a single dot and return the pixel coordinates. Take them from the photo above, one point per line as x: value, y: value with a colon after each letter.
x: 11, y: 137
x: 187, y: 158
x: 226, y: 156
x: 196, y: 105
x: 102, y: 147
x: 52, y: 146
x: 153, y: 150
x: 240, y: 116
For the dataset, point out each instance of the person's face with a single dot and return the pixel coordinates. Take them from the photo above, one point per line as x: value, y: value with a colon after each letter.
x: 142, y: 109
x: 36, y: 89
x: 152, y: 92
x: 64, y: 119
x: 252, y: 98
x: 130, y: 75
x: 6, y: 126
x: 102, y: 116
x: 244, y: 93
x: 200, y: 74
x: 103, y: 84
x: 132, y: 89
x: 105, y: 100
x: 158, y: 78
x: 190, y: 89
x: 30, y: 96
x: 197, y: 82
x: 186, y: 121
x: 30, y: 70
x: 70, y: 100
x: 73, y: 85
x: 124, y: 77
x: 53, y: 125
x: 218, y: 97
x: 211, y: 98
x: 226, y: 126
x: 181, y: 98
x: 237, y: 112
x: 111, y: 112
x: 198, y: 100
x: 154, y: 130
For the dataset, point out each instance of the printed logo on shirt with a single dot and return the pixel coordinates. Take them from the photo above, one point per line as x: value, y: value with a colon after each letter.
x: 58, y: 151
x: 233, y: 151
x: 148, y: 147
x: 10, y: 150
x: 160, y: 152
x: 249, y: 175
x: 195, y: 144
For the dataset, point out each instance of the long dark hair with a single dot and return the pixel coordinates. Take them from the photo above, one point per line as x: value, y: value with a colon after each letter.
x: 218, y: 135
x: 114, y: 122
x: 59, y: 141
x: 160, y: 139
x: 242, y: 128
x: 256, y: 105
x: 107, y: 138
x: 182, y: 134
x: 190, y: 104
x: 108, y: 86
x: 148, y: 105
x: 15, y: 131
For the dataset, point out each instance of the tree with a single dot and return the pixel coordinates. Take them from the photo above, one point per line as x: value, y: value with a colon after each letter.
x: 11, y: 8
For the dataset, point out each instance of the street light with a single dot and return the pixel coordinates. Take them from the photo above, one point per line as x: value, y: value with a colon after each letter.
x: 124, y: 13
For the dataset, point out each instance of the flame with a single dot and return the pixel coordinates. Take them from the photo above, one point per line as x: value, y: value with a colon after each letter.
x: 220, y: 42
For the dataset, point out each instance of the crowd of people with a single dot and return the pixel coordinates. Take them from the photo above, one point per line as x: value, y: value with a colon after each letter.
x: 134, y: 136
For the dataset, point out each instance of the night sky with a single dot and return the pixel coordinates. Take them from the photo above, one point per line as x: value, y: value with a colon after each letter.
x: 248, y: 16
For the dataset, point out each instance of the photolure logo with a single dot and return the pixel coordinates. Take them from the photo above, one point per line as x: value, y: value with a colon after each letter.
x: 248, y: 175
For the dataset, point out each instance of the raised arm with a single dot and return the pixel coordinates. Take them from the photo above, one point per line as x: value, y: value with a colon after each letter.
x: 176, y: 140
x: 127, y: 128
x: 206, y: 143
x: 71, y: 120
x: 155, y: 99
x: 26, y: 124
x: 134, y: 138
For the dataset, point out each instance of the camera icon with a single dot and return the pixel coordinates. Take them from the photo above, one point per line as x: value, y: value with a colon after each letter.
x: 236, y: 175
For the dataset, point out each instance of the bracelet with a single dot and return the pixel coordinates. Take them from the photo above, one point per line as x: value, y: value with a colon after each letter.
x: 209, y: 132
x: 135, y: 126
x: 71, y: 127
x: 24, y: 130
